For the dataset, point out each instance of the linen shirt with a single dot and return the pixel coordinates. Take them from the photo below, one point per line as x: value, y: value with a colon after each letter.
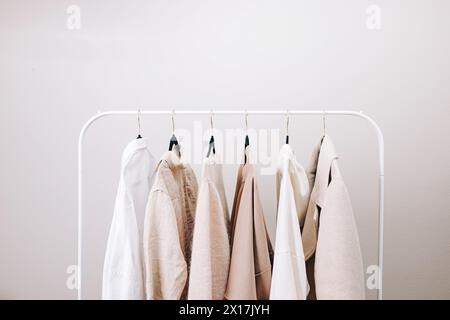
x: 168, y: 227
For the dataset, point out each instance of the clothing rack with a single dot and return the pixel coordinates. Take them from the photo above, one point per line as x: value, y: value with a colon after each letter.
x: 246, y: 113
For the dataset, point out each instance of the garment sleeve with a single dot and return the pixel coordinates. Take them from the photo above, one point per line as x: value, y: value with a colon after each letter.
x: 122, y: 274
x: 164, y: 263
x: 263, y: 253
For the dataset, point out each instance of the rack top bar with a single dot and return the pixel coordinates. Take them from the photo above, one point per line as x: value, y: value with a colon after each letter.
x: 233, y: 112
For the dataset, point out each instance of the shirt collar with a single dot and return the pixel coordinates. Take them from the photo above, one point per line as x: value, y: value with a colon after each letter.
x: 132, y: 147
x: 172, y: 160
x: 286, y: 155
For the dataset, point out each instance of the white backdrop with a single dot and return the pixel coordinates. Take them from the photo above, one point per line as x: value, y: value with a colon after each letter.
x: 387, y: 58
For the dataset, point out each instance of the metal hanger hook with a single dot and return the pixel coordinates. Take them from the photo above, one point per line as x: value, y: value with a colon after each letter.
x: 173, y: 120
x: 324, y: 123
x: 211, y: 124
x: 246, y: 120
x: 139, y: 122
x: 287, y: 122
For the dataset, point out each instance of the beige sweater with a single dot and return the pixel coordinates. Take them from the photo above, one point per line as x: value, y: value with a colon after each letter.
x: 168, y: 229
x: 250, y: 272
x: 330, y: 237
x: 211, y: 242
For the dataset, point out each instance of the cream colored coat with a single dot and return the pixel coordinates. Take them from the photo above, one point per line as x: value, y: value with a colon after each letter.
x: 168, y: 229
x: 251, y: 266
x: 211, y: 242
x: 330, y: 236
x: 123, y: 267
x: 289, y: 281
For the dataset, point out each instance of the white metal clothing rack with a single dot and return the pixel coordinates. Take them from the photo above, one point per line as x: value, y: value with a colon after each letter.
x: 375, y: 126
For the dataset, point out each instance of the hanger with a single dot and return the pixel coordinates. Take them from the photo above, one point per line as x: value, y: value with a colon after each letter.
x: 247, y: 140
x: 173, y: 140
x: 287, y: 126
x: 324, y: 124
x: 212, y: 146
x: 139, y: 124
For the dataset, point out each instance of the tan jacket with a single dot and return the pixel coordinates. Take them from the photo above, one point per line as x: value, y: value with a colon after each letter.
x: 251, y: 254
x: 168, y: 229
x: 211, y: 243
x: 330, y: 237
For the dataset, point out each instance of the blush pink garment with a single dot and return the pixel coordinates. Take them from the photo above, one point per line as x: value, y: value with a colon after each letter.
x: 168, y: 229
x: 250, y: 272
x: 211, y: 243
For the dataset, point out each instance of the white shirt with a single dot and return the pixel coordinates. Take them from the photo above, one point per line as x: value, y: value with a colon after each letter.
x: 123, y: 268
x: 289, y: 279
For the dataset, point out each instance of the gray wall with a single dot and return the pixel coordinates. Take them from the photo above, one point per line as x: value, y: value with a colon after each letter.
x: 228, y: 55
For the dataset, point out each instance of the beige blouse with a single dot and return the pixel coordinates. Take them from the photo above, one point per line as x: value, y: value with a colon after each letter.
x: 211, y: 243
x: 168, y: 229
